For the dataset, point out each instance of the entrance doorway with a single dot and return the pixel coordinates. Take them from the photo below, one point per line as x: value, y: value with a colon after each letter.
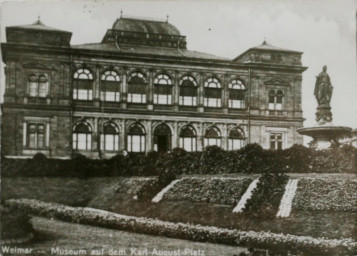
x: 162, y: 138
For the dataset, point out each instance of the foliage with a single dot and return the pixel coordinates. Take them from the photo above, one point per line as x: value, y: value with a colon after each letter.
x: 266, y: 197
x: 213, y: 160
x: 326, y: 194
x: 307, y: 245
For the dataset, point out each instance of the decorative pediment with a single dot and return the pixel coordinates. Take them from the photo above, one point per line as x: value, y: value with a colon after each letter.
x: 37, y: 65
x: 277, y: 81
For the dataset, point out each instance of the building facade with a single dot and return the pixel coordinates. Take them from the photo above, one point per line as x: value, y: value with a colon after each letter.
x: 140, y: 89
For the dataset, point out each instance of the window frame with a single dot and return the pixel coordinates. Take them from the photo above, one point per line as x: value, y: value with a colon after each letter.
x: 207, y: 139
x: 276, y: 99
x: 162, y: 99
x: 236, y: 86
x: 76, y: 139
x: 83, y: 74
x: 104, y: 137
x: 116, y: 81
x: 133, y: 97
x: 191, y: 140
x: 34, y: 84
x: 190, y: 100
x: 276, y: 143
x: 36, y: 135
x: 141, y: 137
x: 212, y: 84
x: 234, y: 140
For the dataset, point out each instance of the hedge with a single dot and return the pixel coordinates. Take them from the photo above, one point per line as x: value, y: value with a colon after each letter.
x: 307, y: 245
x: 213, y: 160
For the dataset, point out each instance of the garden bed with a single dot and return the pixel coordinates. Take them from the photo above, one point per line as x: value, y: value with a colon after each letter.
x: 216, y: 190
x: 329, y: 193
x: 307, y: 245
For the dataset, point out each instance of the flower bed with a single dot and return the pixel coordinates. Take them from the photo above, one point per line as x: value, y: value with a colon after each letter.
x: 326, y: 194
x: 306, y: 244
x: 266, y: 197
x: 215, y: 190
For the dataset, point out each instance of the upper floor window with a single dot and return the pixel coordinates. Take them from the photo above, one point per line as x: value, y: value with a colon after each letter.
x: 276, y: 99
x: 212, y: 137
x: 137, y: 88
x: 188, y: 139
x: 109, y: 138
x: 82, y: 136
x: 236, y: 94
x: 276, y: 141
x: 188, y: 91
x: 235, y: 139
x: 110, y: 86
x: 37, y: 86
x: 136, y: 138
x: 83, y: 85
x: 162, y: 90
x: 213, y: 93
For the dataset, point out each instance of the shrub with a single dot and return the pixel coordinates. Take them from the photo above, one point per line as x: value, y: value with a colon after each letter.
x: 250, y: 159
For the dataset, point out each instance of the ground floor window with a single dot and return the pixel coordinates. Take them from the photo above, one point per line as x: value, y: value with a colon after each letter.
x: 212, y: 137
x: 82, y: 137
x: 136, y: 138
x: 276, y: 141
x: 110, y: 137
x: 36, y: 135
x: 236, y: 139
x: 188, y: 140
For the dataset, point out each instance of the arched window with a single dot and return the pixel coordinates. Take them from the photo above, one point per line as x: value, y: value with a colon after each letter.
x: 236, y: 94
x: 162, y: 89
x: 213, y: 93
x: 109, y: 138
x: 83, y: 85
x: 188, y: 139
x: 110, y: 86
x: 188, y: 91
x: 137, y: 88
x: 38, y: 86
x: 236, y: 139
x: 136, y: 138
x: 82, y: 136
x: 276, y: 99
x: 212, y: 137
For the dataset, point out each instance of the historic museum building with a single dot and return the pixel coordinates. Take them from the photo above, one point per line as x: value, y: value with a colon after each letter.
x: 140, y: 89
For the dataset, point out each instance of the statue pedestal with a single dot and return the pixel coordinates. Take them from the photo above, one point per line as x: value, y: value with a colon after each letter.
x: 325, y: 136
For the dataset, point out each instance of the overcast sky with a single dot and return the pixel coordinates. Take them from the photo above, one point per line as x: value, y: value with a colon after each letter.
x: 324, y: 30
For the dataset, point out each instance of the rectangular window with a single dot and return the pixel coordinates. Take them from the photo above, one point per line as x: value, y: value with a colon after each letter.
x: 276, y: 141
x: 188, y: 101
x: 236, y: 103
x: 36, y: 136
x: 212, y: 142
x: 136, y: 143
x: 136, y: 98
x: 162, y: 99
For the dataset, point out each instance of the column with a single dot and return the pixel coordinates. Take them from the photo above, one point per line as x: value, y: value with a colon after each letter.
x: 225, y: 137
x: 150, y: 90
x: 149, y: 145
x: 174, y: 137
x: 124, y: 90
x: 199, y: 137
x: 176, y: 92
x: 96, y: 87
x: 225, y: 94
x: 24, y: 134
x: 122, y: 135
x: 200, y: 94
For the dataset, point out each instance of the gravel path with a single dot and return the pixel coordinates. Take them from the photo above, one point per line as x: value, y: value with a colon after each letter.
x: 68, y: 236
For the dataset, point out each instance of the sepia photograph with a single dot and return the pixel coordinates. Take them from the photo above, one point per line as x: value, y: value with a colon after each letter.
x: 178, y: 128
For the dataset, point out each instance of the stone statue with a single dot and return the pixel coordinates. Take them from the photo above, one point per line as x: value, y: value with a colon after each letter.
x: 323, y: 89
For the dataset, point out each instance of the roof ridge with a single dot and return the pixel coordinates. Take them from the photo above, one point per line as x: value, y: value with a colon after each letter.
x: 143, y: 18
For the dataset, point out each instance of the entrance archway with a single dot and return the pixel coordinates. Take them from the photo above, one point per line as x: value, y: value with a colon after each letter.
x: 162, y: 138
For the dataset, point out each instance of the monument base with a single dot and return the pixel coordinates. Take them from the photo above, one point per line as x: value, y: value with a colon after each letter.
x: 325, y: 136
